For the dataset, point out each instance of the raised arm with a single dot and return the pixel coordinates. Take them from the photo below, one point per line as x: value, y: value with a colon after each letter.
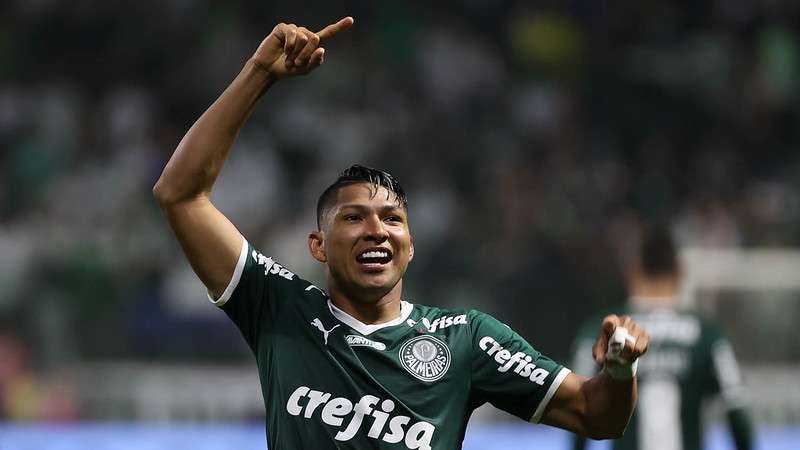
x: 600, y: 407
x: 209, y: 240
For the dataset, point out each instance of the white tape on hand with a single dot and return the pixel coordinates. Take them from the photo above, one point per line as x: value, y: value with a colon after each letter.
x: 616, y: 366
x: 617, y: 343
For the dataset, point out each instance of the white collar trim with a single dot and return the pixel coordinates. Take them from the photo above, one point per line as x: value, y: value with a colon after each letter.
x: 365, y: 329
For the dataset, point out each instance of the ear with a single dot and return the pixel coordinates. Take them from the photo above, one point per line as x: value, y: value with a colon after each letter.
x: 411, y: 251
x: 316, y: 245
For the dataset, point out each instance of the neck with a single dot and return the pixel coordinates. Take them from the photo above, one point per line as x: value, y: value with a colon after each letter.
x: 368, y: 309
x: 655, y: 292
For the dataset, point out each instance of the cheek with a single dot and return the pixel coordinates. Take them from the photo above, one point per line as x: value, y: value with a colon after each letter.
x: 338, y: 251
x: 404, y: 244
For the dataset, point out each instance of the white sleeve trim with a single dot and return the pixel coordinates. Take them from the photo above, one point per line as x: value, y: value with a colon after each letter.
x: 562, y: 375
x: 728, y: 376
x: 237, y: 275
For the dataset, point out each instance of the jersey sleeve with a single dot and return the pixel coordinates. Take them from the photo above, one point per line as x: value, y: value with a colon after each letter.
x: 726, y: 378
x: 508, y: 372
x: 252, y: 296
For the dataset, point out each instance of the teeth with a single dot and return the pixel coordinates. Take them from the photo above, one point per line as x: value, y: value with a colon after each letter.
x: 374, y: 254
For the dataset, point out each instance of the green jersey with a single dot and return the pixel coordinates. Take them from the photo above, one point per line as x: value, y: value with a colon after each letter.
x: 330, y: 381
x: 687, y: 361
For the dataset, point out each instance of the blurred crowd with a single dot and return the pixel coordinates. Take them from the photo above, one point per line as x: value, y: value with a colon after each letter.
x: 532, y: 137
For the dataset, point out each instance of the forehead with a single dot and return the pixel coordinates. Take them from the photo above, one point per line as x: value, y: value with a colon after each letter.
x: 364, y: 194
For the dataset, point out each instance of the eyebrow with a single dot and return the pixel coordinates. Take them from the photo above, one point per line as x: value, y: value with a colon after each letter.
x: 360, y: 207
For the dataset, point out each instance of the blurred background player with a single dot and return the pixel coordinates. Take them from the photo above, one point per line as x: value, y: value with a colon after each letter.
x: 688, y: 362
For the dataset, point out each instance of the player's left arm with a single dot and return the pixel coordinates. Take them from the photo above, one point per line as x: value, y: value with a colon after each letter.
x: 727, y: 379
x: 600, y: 407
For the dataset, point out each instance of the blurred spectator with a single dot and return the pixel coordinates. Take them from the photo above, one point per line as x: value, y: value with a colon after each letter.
x: 26, y: 397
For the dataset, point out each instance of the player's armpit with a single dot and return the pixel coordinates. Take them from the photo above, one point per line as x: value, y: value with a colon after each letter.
x: 210, y: 241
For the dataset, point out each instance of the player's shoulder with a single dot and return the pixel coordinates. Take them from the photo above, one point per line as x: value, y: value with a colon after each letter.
x: 434, y: 318
x: 679, y: 326
x: 284, y: 281
x: 701, y: 332
x: 705, y: 324
x: 464, y: 314
x: 259, y: 260
x: 710, y: 329
x: 271, y: 267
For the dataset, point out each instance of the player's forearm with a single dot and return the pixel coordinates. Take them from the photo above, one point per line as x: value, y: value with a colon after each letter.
x: 609, y: 404
x: 198, y: 159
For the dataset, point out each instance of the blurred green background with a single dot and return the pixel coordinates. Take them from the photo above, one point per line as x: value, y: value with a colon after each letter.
x: 533, y: 137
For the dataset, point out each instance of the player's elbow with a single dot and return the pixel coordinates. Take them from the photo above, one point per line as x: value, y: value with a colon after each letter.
x: 172, y: 198
x: 163, y: 194
x: 176, y: 188
x: 167, y: 194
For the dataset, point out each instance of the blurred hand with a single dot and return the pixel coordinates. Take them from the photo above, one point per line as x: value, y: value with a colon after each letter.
x: 634, y: 346
x: 291, y: 50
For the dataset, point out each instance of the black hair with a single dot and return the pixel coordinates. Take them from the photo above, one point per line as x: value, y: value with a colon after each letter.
x: 659, y: 257
x: 360, y: 174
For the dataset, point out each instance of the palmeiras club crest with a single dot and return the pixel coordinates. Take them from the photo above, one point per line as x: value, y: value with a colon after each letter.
x: 425, y: 357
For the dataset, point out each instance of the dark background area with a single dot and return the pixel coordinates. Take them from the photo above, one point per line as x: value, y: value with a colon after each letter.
x: 533, y: 137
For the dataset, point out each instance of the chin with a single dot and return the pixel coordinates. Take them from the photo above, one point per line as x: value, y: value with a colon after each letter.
x: 377, y: 285
x: 363, y: 285
x: 383, y: 287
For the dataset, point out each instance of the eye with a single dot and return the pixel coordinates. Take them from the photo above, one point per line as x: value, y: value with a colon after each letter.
x: 351, y: 217
x: 397, y: 219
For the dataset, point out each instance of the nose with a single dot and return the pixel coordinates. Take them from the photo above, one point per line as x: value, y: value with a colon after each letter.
x: 375, y: 230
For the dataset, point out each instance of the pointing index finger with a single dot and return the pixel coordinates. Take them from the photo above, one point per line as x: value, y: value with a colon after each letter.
x: 333, y: 29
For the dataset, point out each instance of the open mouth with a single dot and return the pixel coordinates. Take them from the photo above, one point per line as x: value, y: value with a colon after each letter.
x: 377, y: 256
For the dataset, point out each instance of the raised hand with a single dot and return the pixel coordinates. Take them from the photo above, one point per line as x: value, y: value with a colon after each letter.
x: 290, y: 50
x: 621, y: 341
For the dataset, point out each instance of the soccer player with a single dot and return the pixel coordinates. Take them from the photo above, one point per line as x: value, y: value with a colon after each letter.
x: 354, y: 365
x: 688, y: 360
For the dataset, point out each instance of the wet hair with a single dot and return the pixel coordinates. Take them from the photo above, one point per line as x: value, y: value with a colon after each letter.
x: 658, y: 255
x: 360, y: 174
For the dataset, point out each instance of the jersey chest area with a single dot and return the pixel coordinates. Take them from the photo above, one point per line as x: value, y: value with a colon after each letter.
x: 397, y: 384
x: 402, y: 359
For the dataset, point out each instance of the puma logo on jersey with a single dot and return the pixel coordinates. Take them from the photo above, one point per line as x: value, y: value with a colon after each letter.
x: 270, y: 266
x: 524, y: 362
x: 391, y: 429
x: 318, y: 323
x: 440, y: 322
